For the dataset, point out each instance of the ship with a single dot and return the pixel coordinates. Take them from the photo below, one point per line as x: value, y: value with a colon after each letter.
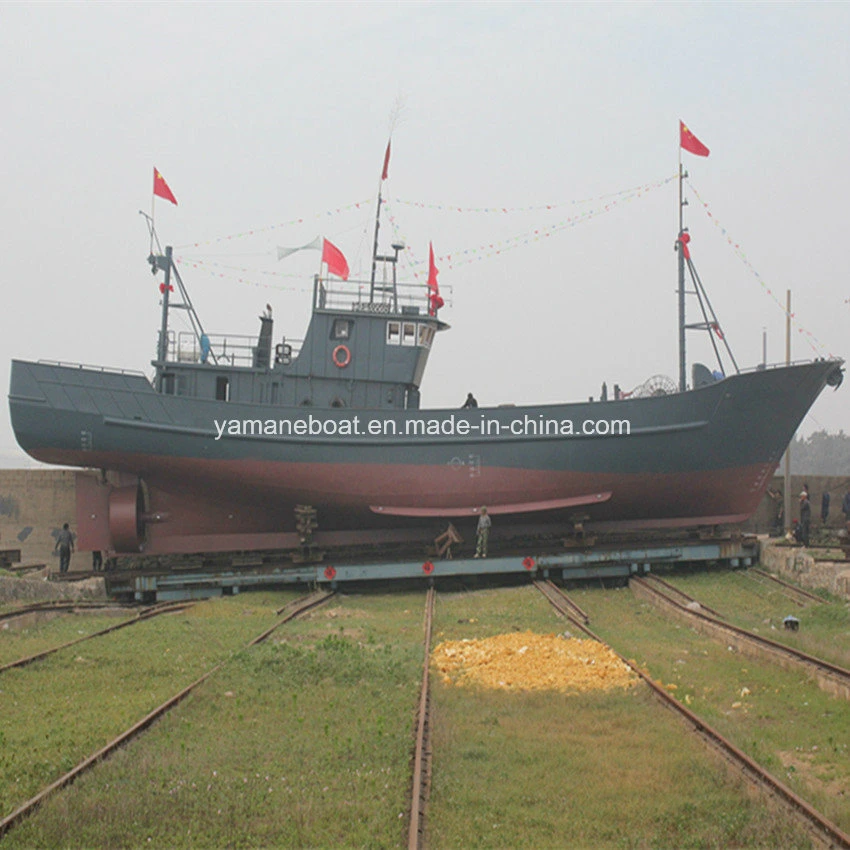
x: 233, y: 438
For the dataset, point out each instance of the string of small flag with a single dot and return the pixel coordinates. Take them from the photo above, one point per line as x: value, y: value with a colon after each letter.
x: 624, y: 194
x: 244, y: 275
x: 816, y: 345
x: 222, y: 270
x: 537, y: 208
x: 256, y: 231
x: 449, y: 260
x: 491, y: 249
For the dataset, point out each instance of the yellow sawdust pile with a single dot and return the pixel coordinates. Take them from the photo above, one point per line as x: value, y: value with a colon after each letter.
x: 525, y: 661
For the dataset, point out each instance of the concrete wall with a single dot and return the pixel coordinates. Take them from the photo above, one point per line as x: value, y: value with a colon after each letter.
x: 34, y: 504
x: 796, y: 564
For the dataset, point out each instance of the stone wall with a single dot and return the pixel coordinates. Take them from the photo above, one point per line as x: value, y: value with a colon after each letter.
x: 27, y: 589
x: 795, y: 563
x: 34, y: 504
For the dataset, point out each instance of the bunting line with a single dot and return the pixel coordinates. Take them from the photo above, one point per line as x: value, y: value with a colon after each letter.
x: 463, y: 257
x: 538, y: 208
x: 448, y: 261
x: 816, y: 345
x: 222, y: 270
x: 269, y: 228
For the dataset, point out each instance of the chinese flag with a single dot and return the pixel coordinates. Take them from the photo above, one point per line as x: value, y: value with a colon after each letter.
x: 337, y: 263
x: 386, y: 170
x: 160, y: 187
x: 690, y: 142
x: 434, y: 300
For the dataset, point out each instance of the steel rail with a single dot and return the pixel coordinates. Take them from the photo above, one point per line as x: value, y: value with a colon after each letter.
x: 823, y: 828
x: 833, y: 674
x: 787, y: 585
x: 33, y: 803
x: 166, y: 608
x: 295, y: 609
x: 682, y: 594
x: 421, y: 751
x: 60, y: 606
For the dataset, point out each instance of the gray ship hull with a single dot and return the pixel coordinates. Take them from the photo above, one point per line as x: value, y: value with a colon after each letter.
x: 187, y: 473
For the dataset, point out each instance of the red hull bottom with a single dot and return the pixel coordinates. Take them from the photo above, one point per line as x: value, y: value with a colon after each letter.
x: 194, y: 505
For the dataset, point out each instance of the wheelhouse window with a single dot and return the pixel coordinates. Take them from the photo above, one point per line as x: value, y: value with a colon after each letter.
x: 342, y: 329
x: 408, y: 333
x: 393, y: 333
x: 426, y: 335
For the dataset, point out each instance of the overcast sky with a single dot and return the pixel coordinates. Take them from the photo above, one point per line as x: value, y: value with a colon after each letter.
x: 258, y: 115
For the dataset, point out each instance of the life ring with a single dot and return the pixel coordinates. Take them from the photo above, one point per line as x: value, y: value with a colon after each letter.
x: 341, y: 356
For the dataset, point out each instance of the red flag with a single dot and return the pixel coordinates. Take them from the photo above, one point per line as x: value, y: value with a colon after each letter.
x: 684, y: 238
x: 334, y: 258
x: 160, y: 187
x: 386, y: 170
x: 690, y: 142
x: 434, y: 300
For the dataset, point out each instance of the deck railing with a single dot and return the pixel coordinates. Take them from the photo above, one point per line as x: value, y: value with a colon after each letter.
x: 227, y: 349
x: 361, y: 296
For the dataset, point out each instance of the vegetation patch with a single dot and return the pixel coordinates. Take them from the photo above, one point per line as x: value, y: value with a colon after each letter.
x: 761, y: 606
x: 601, y: 769
x: 33, y: 633
x: 761, y: 708
x: 65, y: 707
x: 302, y: 741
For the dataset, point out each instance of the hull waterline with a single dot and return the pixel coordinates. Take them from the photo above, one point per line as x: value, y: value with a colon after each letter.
x: 175, y: 479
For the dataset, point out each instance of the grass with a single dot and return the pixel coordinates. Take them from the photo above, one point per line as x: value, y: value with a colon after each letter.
x: 302, y: 742
x: 61, y: 709
x: 761, y: 608
x: 48, y: 630
x: 305, y: 741
x: 600, y: 770
x: 779, y: 717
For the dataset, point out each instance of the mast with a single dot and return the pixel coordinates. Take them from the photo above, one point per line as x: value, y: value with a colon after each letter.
x: 786, y: 481
x: 375, y: 245
x: 690, y: 143
x: 162, y: 348
x: 682, y: 360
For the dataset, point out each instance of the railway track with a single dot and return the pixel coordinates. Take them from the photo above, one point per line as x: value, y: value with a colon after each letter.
x: 830, y: 677
x: 675, y: 592
x: 421, y: 778
x: 288, y: 613
x: 822, y: 830
x: 795, y: 594
x: 63, y: 606
x: 144, y: 614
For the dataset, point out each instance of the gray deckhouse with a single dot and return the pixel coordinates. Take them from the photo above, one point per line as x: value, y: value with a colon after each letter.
x: 366, y: 347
